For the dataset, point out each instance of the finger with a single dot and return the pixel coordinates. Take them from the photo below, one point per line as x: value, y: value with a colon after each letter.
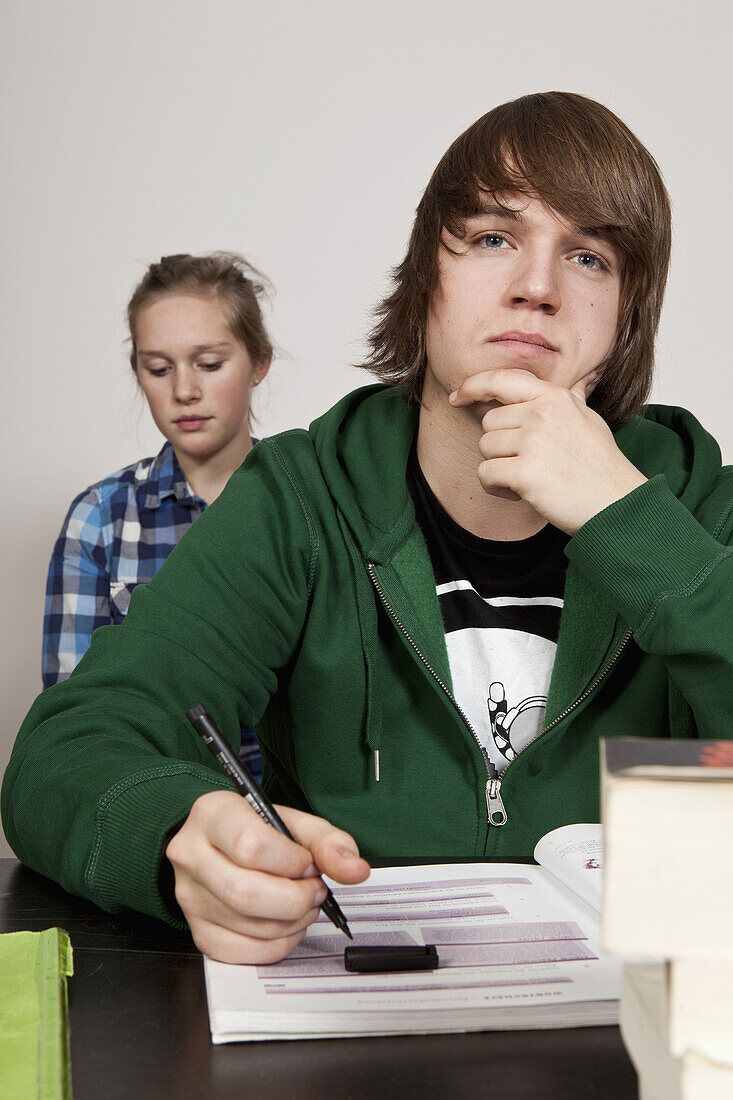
x: 227, y: 946
x: 245, y: 839
x: 206, y: 906
x: 258, y: 929
x: 503, y: 494
x: 216, y: 885
x: 500, y: 444
x: 499, y: 474
x: 503, y: 418
x: 235, y: 910
x: 507, y: 385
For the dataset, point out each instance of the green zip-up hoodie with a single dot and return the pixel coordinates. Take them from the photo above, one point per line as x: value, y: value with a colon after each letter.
x: 303, y: 602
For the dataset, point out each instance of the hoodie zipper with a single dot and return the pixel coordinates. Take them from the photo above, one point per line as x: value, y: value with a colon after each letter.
x: 601, y: 676
x: 494, y: 805
x: 568, y: 710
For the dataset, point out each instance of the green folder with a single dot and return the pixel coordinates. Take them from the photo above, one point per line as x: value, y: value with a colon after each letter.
x: 34, y: 1028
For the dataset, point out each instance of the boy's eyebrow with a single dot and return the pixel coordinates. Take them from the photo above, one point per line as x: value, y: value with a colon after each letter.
x: 592, y: 231
x: 494, y: 210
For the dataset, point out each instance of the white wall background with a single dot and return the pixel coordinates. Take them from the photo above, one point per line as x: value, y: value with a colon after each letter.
x: 301, y: 134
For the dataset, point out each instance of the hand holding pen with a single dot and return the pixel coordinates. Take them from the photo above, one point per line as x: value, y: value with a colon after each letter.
x: 247, y: 786
x: 248, y: 892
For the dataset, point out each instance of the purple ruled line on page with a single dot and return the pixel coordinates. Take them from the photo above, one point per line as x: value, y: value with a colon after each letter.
x: 317, y: 947
x: 441, y: 885
x: 516, y: 932
x: 427, y: 899
x: 423, y: 987
x: 415, y: 914
x: 511, y: 954
x: 452, y: 955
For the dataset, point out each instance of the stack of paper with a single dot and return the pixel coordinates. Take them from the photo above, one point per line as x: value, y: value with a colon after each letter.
x: 517, y: 949
x: 668, y: 816
x: 645, y: 1026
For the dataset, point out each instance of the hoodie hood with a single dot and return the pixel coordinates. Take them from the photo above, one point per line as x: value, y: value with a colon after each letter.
x: 363, y: 443
x: 671, y: 441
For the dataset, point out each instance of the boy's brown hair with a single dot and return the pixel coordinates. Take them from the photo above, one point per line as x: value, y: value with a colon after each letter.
x: 581, y: 160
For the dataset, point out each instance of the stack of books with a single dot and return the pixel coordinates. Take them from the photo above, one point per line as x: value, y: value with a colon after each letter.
x: 667, y: 811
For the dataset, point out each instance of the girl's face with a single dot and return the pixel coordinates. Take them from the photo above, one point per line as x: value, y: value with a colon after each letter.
x: 195, y: 375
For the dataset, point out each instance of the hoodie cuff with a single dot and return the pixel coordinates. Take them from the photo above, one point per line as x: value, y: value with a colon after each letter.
x: 644, y: 547
x: 133, y: 823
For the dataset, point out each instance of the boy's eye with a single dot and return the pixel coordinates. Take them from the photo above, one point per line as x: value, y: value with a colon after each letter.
x: 590, y: 261
x: 492, y: 241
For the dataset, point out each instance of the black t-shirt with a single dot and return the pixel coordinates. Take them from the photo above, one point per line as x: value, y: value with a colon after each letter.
x: 501, y: 605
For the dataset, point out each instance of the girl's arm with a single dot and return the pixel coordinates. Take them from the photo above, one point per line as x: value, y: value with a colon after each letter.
x: 77, y: 588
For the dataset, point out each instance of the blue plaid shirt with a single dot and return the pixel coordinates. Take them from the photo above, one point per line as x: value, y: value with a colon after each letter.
x: 116, y: 535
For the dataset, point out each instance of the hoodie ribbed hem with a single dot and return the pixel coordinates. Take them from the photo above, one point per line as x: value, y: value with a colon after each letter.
x: 123, y: 869
x: 642, y: 550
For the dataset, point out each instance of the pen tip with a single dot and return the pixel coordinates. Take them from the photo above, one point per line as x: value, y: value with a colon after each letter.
x: 348, y: 933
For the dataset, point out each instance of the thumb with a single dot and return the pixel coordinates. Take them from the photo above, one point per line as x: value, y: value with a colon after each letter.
x: 335, y: 852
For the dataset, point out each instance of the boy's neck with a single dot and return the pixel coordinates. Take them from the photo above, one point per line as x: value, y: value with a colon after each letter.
x: 449, y: 457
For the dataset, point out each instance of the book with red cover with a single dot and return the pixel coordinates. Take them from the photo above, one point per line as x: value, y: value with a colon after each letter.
x: 686, y: 759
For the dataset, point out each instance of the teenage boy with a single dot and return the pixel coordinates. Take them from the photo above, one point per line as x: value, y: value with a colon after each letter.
x: 434, y: 602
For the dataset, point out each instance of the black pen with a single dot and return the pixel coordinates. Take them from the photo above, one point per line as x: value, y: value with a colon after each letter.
x: 248, y: 787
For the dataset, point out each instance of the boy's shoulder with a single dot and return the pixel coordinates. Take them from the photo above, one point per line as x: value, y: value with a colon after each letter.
x: 671, y: 441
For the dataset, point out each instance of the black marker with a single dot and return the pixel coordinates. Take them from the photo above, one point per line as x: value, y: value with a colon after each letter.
x: 248, y: 787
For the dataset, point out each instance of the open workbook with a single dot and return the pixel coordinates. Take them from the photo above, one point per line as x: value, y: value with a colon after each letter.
x: 518, y: 947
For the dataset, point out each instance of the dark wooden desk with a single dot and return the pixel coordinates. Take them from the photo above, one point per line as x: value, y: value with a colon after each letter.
x: 140, y: 1029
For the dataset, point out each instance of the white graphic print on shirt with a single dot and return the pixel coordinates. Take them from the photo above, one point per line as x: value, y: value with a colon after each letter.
x: 501, y: 676
x: 500, y: 602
